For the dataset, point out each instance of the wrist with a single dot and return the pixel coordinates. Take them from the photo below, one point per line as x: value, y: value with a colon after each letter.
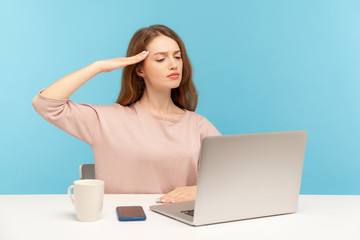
x: 97, y: 67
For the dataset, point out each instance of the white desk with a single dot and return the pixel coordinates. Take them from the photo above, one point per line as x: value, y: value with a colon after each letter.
x: 53, y: 217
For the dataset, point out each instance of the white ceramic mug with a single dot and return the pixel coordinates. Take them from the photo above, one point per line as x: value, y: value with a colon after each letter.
x: 88, y: 199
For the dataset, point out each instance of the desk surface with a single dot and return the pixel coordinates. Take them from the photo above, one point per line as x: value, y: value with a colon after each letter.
x: 53, y: 217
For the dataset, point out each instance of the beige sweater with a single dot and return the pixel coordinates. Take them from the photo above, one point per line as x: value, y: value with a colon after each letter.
x: 135, y: 151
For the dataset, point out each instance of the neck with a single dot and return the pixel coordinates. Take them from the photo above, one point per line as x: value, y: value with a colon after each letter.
x: 158, y: 102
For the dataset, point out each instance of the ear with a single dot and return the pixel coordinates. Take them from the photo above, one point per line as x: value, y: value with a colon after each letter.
x: 139, y: 71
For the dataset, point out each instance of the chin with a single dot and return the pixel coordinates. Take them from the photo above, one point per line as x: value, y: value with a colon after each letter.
x: 175, y: 85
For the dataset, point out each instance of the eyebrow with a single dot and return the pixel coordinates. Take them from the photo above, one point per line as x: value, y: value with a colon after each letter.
x: 166, y: 52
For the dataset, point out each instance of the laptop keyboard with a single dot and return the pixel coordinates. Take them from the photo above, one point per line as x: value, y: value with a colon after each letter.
x: 188, y: 212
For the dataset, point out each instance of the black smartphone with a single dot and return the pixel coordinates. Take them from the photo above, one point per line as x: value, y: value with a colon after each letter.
x: 130, y: 213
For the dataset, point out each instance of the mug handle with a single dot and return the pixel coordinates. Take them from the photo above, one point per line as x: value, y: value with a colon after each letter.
x: 70, y: 195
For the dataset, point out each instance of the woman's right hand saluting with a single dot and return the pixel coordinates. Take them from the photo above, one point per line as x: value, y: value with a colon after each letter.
x: 108, y: 65
x: 66, y: 86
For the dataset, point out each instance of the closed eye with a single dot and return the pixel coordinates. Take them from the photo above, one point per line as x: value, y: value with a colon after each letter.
x: 160, y: 60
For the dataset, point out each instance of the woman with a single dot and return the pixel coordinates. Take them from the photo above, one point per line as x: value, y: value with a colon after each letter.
x: 149, y: 140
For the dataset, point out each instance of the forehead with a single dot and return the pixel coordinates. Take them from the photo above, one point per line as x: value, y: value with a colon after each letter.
x: 162, y: 44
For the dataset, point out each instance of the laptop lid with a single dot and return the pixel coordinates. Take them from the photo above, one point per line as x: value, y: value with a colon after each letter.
x: 249, y: 175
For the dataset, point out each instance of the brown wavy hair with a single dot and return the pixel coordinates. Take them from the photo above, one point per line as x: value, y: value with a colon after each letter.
x: 132, y: 86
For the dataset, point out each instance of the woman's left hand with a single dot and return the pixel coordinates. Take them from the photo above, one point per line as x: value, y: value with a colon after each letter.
x: 179, y: 194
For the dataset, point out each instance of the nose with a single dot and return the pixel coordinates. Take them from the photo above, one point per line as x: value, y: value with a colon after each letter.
x: 173, y: 64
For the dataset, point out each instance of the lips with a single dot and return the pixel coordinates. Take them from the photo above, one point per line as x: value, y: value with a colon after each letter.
x: 174, y: 74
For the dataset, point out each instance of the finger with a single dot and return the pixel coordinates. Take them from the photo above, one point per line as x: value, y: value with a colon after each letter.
x: 165, y: 201
x: 140, y: 56
x: 180, y: 197
x: 179, y: 194
x: 136, y: 58
x: 181, y: 200
x: 167, y: 197
x: 177, y: 197
x: 164, y: 198
x: 173, y: 194
x: 143, y: 56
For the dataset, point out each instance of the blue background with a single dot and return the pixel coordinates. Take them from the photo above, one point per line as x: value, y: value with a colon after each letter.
x: 259, y: 66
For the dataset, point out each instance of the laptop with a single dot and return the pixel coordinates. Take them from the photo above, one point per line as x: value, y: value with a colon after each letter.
x: 244, y: 176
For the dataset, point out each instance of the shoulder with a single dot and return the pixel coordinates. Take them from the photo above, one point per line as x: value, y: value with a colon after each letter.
x: 205, y: 127
x: 202, y: 121
x: 195, y: 116
x: 110, y: 107
x: 198, y: 117
x: 110, y: 110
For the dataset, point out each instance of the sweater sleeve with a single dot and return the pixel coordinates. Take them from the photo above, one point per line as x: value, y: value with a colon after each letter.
x: 78, y: 120
x: 207, y: 129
